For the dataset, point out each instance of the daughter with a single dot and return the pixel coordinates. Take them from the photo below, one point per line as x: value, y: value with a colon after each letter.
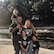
x: 24, y: 43
x: 36, y: 45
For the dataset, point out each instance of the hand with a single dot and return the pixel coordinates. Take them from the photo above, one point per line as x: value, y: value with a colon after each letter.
x: 18, y: 26
x: 24, y: 50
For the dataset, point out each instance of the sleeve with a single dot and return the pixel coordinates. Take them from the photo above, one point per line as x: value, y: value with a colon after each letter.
x: 12, y: 26
x: 19, y: 42
x: 28, y: 40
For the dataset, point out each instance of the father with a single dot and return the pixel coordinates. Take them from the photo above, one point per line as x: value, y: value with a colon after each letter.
x: 15, y: 29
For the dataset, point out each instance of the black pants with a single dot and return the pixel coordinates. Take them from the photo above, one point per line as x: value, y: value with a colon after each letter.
x: 16, y: 44
x: 16, y: 47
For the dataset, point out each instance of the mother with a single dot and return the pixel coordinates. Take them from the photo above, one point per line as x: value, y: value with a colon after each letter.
x: 30, y: 31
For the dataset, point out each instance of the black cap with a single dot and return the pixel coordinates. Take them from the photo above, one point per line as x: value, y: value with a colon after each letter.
x: 14, y: 16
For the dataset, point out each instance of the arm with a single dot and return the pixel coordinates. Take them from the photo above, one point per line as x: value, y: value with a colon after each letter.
x: 22, y: 48
x: 15, y: 28
x: 13, y: 17
x: 12, y: 27
x: 27, y: 47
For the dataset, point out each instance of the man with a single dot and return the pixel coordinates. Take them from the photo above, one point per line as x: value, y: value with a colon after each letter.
x: 15, y: 29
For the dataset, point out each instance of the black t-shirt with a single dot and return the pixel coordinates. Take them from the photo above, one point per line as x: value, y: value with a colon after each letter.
x: 24, y: 42
x: 13, y: 16
x: 36, y: 45
x: 29, y: 32
x: 17, y: 33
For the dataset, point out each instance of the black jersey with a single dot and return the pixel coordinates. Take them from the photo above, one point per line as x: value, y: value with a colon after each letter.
x: 36, y: 45
x: 24, y: 42
x: 29, y: 32
x: 17, y: 33
x: 13, y: 16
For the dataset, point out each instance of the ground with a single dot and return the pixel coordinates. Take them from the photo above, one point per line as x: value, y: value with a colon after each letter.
x: 9, y: 49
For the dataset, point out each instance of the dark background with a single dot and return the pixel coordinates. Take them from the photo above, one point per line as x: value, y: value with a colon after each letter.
x: 40, y: 12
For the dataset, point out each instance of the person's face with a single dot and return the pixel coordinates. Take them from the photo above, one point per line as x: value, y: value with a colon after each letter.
x: 28, y: 24
x: 23, y: 33
x: 19, y: 19
x: 15, y: 12
x: 34, y: 38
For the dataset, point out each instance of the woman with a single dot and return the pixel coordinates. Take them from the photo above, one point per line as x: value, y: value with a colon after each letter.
x: 30, y: 31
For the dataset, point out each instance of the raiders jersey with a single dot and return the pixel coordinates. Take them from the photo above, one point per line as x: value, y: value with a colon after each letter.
x: 13, y: 16
x: 36, y: 45
x: 29, y: 32
x: 24, y: 42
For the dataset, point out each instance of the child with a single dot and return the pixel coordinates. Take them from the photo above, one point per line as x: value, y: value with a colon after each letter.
x: 36, y: 45
x: 14, y: 15
x: 24, y: 43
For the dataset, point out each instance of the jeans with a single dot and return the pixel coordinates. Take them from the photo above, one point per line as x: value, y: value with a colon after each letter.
x: 30, y: 49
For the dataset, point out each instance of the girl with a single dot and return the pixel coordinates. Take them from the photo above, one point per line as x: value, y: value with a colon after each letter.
x: 24, y: 43
x: 30, y: 31
x: 36, y: 45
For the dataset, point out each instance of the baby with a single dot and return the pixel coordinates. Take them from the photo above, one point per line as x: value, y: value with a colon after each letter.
x: 14, y: 15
